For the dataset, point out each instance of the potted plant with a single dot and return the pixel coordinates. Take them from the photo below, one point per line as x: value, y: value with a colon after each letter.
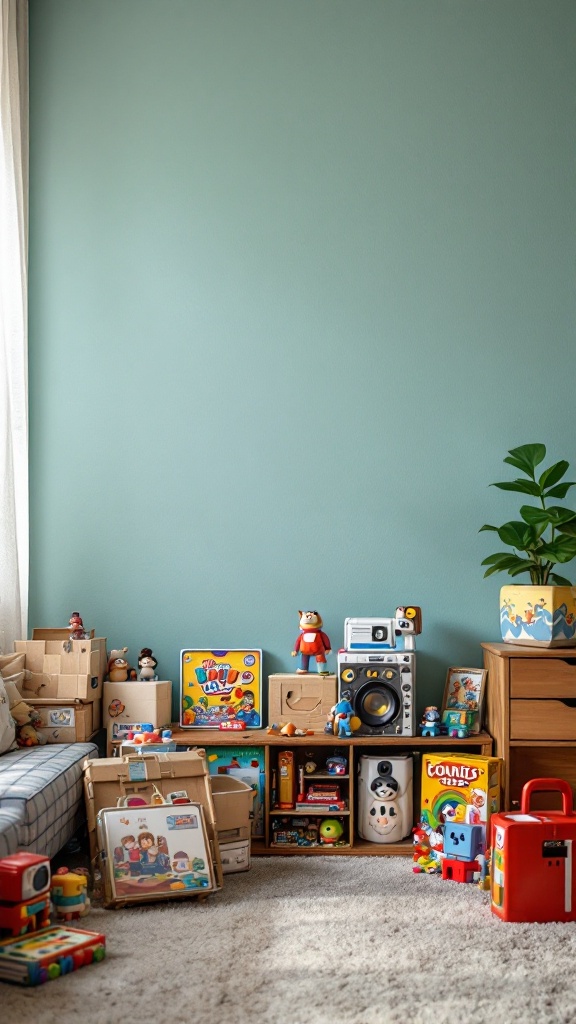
x: 542, y: 612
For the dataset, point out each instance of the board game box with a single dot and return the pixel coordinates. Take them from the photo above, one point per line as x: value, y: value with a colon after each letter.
x: 220, y: 686
x: 44, y: 955
x: 455, y: 788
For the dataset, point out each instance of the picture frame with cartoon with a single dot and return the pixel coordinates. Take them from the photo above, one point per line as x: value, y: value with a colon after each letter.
x: 464, y: 691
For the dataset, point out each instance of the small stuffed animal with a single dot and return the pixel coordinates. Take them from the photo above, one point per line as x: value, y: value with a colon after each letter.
x: 147, y: 665
x: 119, y: 671
x: 26, y: 718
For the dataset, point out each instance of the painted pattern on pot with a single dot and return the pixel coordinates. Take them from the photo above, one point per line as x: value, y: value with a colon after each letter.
x: 538, y: 616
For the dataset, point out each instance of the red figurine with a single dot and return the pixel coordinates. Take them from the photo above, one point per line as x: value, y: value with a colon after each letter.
x: 311, y: 642
x: 76, y: 627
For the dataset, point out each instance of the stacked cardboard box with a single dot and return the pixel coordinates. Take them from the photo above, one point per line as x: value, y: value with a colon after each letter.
x: 130, y: 705
x: 63, y: 680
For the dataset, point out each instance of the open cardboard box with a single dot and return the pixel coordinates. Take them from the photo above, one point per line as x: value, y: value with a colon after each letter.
x: 73, y: 721
x: 59, y: 668
x: 305, y: 700
x: 233, y: 801
x: 108, y: 780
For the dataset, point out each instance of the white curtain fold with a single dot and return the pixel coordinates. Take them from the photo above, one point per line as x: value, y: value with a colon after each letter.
x: 14, y: 513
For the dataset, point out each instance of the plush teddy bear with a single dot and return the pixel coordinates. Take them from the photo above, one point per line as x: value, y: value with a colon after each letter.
x: 119, y: 671
x: 26, y: 718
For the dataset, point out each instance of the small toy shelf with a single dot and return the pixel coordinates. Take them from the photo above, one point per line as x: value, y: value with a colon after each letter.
x: 318, y: 747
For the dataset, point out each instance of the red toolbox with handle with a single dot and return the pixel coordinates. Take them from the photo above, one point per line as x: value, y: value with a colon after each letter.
x: 533, y: 858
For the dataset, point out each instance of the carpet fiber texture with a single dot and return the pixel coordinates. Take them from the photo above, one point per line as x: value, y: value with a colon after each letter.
x: 316, y: 940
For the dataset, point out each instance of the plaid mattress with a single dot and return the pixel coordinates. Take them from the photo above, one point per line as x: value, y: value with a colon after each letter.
x: 41, y: 796
x: 9, y: 822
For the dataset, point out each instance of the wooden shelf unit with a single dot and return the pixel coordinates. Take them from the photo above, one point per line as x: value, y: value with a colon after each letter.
x: 351, y: 748
x: 531, y: 713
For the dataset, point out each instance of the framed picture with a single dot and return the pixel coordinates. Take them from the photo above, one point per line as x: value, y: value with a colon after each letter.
x: 218, y: 687
x: 155, y: 852
x: 464, y: 691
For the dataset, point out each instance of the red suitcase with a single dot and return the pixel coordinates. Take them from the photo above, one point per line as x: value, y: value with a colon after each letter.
x: 532, y: 865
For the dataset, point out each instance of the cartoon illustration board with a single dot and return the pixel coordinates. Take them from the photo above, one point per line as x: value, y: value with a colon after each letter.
x: 156, y: 850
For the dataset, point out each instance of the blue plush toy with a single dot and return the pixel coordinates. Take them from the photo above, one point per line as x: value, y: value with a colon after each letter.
x: 341, y: 714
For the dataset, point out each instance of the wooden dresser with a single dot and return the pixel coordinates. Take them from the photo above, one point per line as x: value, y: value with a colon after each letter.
x: 531, y: 714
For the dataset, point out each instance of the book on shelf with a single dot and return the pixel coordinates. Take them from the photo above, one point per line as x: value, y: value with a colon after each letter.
x: 337, y: 806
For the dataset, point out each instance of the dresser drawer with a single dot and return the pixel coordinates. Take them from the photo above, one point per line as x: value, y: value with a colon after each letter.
x: 542, y: 720
x: 543, y: 677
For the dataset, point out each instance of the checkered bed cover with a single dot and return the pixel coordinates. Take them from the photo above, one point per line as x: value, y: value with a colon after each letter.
x: 41, y: 795
x: 10, y: 820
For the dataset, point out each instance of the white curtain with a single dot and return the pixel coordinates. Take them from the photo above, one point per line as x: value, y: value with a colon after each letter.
x: 14, y: 544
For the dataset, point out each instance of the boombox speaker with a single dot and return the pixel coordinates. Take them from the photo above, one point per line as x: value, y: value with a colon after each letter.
x: 380, y: 688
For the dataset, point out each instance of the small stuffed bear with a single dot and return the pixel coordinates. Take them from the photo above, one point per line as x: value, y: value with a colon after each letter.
x: 26, y: 718
x: 119, y: 671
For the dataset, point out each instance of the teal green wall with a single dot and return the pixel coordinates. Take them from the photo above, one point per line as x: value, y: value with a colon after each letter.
x: 301, y: 272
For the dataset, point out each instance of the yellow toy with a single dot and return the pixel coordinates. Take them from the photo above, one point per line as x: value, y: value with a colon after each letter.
x: 69, y: 892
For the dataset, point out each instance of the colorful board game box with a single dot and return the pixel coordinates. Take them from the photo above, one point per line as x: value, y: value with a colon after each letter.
x: 154, y: 852
x: 455, y: 788
x: 247, y: 764
x: 220, y: 686
x: 41, y: 956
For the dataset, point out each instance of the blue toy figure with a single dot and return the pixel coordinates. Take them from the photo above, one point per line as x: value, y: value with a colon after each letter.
x: 463, y: 845
x: 463, y: 841
x: 341, y: 714
x: 430, y: 724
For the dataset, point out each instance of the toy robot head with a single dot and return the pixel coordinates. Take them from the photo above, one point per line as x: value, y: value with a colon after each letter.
x: 463, y: 842
x: 23, y: 876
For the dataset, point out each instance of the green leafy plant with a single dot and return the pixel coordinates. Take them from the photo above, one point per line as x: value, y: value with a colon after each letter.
x: 546, y: 534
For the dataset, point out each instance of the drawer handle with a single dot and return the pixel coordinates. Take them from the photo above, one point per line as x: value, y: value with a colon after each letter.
x: 570, y: 702
x: 570, y: 661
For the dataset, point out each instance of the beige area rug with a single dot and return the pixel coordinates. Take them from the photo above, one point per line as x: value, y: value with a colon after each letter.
x: 316, y: 940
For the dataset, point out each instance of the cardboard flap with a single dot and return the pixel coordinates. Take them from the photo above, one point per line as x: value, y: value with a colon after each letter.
x: 307, y: 697
x: 56, y: 634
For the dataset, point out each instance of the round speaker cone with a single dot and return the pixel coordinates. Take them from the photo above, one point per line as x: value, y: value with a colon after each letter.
x: 376, y: 704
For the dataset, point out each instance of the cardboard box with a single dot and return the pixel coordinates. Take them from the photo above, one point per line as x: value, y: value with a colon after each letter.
x: 62, y: 669
x: 72, y: 722
x: 134, y: 704
x: 304, y: 700
x: 108, y: 780
x: 233, y: 803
